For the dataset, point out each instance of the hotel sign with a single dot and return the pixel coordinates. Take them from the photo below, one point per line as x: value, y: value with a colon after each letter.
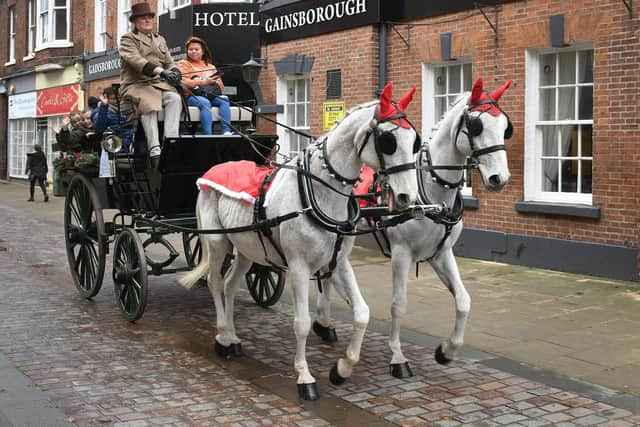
x: 313, y: 17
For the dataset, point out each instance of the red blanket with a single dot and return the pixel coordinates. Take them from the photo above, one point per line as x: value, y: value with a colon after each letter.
x: 240, y: 180
x: 363, y: 187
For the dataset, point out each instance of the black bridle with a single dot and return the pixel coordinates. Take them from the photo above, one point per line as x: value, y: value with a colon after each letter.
x: 385, y: 141
x: 474, y: 127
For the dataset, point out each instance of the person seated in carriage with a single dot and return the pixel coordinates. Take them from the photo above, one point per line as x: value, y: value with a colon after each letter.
x: 149, y: 79
x: 77, y: 133
x: 203, y: 85
x: 107, y: 116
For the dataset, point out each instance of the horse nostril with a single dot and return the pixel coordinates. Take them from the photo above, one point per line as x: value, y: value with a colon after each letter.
x: 494, y: 180
x: 403, y: 200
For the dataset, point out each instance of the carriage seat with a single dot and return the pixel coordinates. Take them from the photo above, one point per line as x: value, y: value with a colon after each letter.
x: 237, y: 115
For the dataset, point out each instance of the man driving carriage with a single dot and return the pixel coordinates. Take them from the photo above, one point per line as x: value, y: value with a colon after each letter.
x: 149, y: 77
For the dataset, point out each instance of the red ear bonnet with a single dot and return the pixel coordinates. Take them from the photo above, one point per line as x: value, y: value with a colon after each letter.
x: 478, y: 96
x: 387, y: 108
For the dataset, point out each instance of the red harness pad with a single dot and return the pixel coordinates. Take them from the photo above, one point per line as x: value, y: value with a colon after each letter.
x: 363, y: 187
x: 240, y: 180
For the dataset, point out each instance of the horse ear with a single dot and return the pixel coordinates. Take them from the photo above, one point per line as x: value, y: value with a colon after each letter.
x: 496, y: 94
x: 476, y: 92
x: 406, y: 99
x: 386, y: 97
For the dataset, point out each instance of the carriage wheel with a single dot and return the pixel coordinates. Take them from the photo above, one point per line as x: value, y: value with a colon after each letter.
x: 265, y: 284
x: 130, y: 274
x: 192, y: 248
x: 84, y: 236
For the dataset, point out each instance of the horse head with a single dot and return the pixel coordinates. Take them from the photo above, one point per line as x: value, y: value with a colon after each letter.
x: 387, y: 144
x: 481, y: 132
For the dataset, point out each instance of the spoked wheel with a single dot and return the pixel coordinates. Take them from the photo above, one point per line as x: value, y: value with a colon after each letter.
x: 130, y: 274
x: 84, y: 236
x: 265, y: 284
x: 192, y: 248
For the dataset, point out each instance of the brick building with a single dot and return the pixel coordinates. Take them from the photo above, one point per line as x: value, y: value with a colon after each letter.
x: 574, y: 196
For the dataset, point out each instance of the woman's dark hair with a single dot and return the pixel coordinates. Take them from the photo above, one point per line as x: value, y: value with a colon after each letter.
x: 206, y: 53
x: 37, y: 147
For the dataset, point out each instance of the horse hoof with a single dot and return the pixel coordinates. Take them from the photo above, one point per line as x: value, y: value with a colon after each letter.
x: 308, y: 391
x: 440, y: 357
x: 228, y: 352
x: 335, y: 377
x: 401, y: 370
x: 327, y: 334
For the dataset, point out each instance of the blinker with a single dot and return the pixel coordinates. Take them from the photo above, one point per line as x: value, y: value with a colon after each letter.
x: 387, y: 143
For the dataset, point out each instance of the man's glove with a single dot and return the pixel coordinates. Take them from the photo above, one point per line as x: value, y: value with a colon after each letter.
x: 173, y: 77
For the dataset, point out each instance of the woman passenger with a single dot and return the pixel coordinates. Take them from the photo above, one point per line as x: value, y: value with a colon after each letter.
x: 197, y: 70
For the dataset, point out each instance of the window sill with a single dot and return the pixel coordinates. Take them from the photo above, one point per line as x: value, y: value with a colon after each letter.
x: 28, y: 58
x: 12, y: 62
x: 560, y: 209
x: 470, y: 202
x: 54, y: 45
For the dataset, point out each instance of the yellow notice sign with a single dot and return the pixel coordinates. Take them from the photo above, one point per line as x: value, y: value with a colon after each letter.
x: 333, y: 111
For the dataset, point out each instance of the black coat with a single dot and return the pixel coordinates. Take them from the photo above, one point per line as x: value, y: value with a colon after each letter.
x: 37, y: 165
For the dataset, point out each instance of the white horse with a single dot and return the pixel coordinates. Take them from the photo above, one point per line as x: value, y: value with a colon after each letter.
x: 306, y: 243
x: 477, y: 129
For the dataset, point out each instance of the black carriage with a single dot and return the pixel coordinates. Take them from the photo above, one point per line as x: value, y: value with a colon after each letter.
x: 150, y: 204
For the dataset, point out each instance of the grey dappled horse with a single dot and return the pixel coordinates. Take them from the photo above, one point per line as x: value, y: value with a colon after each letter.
x: 305, y: 243
x: 476, y: 128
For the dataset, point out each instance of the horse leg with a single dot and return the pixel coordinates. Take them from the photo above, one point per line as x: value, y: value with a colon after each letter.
x: 400, y: 263
x: 345, y: 277
x: 217, y: 248
x: 241, y: 266
x: 447, y: 269
x: 322, y: 325
x: 299, y: 277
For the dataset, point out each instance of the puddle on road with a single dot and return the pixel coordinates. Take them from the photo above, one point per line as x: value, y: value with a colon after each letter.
x: 336, y: 411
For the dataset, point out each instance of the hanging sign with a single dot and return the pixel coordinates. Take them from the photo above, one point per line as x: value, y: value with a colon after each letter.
x: 58, y: 100
x: 332, y: 112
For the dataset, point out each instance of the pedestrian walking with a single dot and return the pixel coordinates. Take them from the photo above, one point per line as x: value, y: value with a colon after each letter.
x: 37, y: 170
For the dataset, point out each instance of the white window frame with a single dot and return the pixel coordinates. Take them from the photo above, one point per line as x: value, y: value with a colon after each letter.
x: 31, y: 30
x: 532, y: 146
x: 100, y: 28
x: 50, y: 27
x: 429, y: 119
x: 124, y: 11
x: 281, y: 95
x: 12, y: 36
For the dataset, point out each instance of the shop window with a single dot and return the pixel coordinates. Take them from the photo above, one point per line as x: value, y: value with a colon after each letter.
x: 12, y: 36
x: 100, y: 29
x: 559, y: 137
x: 53, y: 23
x: 443, y: 85
x: 22, y: 137
x: 295, y: 94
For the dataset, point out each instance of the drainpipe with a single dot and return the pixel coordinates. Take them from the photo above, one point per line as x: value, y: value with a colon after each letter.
x: 382, y: 54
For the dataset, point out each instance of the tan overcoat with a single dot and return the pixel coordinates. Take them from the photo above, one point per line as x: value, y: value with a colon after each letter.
x: 136, y: 51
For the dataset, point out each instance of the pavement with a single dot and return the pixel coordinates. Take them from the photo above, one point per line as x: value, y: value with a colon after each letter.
x: 542, y: 347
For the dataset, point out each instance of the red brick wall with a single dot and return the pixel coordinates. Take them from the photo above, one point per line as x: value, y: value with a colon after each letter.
x: 521, y: 25
x: 353, y: 51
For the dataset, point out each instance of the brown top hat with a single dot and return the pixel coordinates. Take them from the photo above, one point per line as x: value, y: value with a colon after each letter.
x: 141, y: 9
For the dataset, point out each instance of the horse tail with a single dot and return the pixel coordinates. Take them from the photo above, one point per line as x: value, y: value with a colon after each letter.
x: 202, y: 269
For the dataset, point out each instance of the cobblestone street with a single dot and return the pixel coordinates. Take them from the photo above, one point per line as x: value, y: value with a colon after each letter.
x: 99, y: 369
